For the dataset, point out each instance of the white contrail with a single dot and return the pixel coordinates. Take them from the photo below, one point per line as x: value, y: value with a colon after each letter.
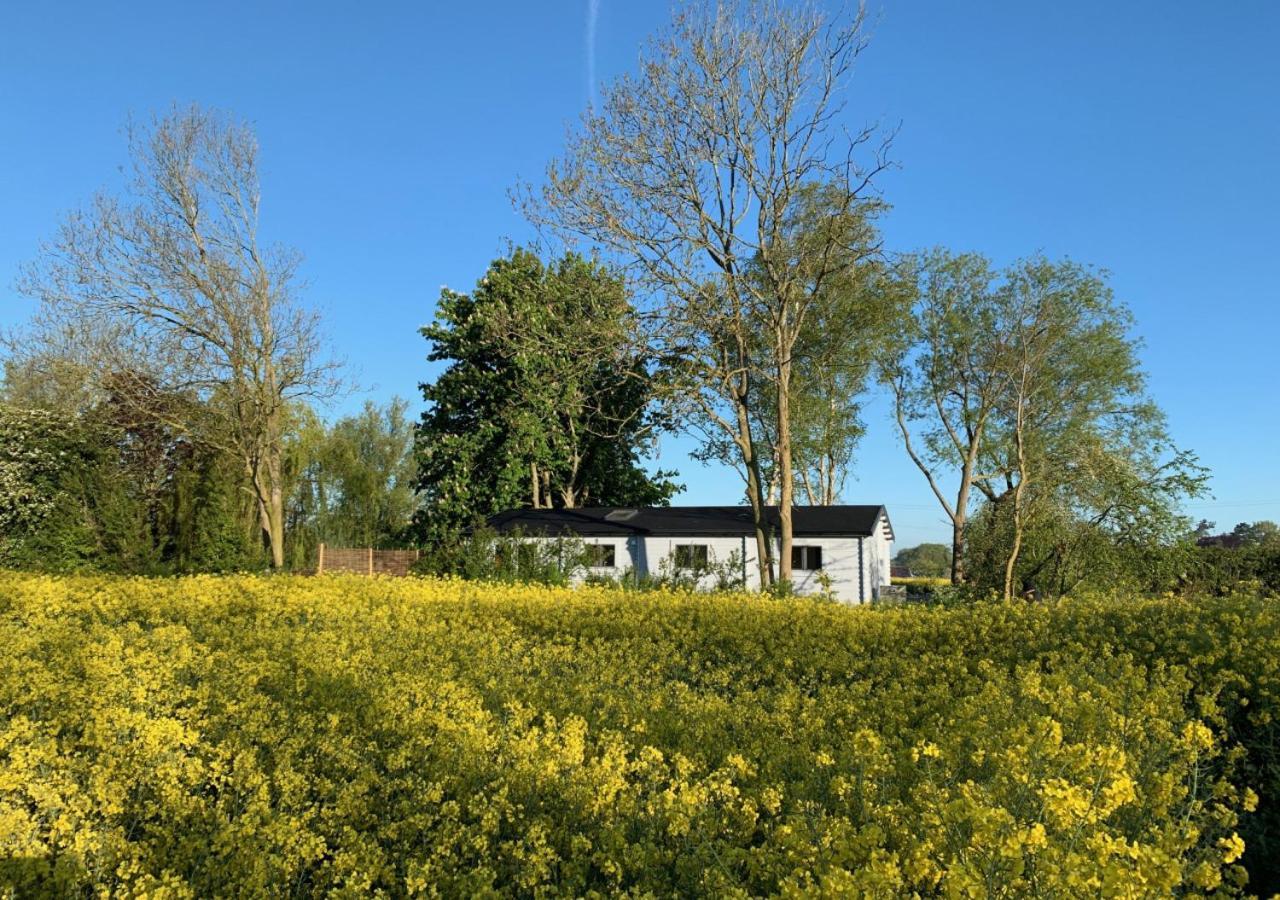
x: 593, y: 13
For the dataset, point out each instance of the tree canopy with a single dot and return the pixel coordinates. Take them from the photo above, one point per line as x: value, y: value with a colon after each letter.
x: 544, y: 401
x: 927, y: 560
x: 353, y: 481
x: 1026, y: 384
x: 94, y: 490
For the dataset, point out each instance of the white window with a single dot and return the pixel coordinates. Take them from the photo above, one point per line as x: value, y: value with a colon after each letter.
x: 691, y: 556
x: 808, y: 559
x: 600, y: 556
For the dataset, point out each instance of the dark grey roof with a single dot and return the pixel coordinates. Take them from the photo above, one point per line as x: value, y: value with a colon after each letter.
x: 604, y: 521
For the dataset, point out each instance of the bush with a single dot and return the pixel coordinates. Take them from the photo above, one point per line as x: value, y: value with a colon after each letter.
x: 937, y: 591
x: 86, y: 494
x: 216, y: 736
x: 484, y: 554
x: 1224, y: 570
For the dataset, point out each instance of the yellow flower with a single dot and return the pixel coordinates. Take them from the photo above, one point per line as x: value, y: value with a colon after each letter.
x: 1249, y: 801
x: 441, y: 737
x: 1232, y: 847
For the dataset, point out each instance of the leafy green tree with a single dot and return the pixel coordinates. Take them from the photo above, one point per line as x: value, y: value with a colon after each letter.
x: 944, y: 374
x: 929, y: 560
x: 1027, y: 384
x: 72, y: 498
x: 34, y: 455
x: 111, y: 487
x: 353, y: 481
x: 1260, y: 533
x: 1117, y: 525
x: 851, y: 306
x: 373, y: 454
x: 214, y: 525
x: 1077, y: 436
x: 543, y: 403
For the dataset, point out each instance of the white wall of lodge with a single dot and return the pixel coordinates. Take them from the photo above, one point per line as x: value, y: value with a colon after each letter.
x: 856, y: 567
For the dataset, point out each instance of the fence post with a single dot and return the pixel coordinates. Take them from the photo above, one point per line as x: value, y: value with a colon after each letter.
x: 370, y: 560
x: 320, y: 560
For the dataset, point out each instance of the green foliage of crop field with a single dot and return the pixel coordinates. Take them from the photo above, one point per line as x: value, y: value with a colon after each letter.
x: 246, y: 736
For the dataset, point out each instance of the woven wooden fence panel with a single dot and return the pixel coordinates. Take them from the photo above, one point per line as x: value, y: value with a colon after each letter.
x: 364, y: 561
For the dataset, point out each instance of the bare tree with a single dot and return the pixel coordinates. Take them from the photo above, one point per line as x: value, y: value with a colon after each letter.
x: 171, y: 282
x: 690, y: 173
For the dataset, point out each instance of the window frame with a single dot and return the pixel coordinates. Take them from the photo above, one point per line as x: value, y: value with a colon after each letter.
x: 801, y: 557
x: 596, y: 551
x: 692, y: 550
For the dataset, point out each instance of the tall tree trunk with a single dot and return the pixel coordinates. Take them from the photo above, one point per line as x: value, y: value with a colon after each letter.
x: 960, y: 515
x: 1016, y: 549
x: 960, y: 521
x: 269, y: 491
x: 755, y: 491
x: 786, y: 493
x: 957, y: 548
x: 276, y: 516
x: 764, y: 544
x: 535, y: 486
x: 269, y: 500
x: 264, y: 462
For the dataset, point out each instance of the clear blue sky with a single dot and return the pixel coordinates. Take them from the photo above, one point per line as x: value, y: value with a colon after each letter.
x: 1143, y: 137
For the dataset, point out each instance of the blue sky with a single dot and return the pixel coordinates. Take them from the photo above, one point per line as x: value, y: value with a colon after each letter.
x: 1142, y: 137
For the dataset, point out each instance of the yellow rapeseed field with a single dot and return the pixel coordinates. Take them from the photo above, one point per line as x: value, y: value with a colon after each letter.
x: 249, y: 736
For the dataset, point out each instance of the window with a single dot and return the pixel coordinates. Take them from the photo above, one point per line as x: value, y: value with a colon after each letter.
x: 806, y: 558
x: 691, y: 556
x: 600, y: 556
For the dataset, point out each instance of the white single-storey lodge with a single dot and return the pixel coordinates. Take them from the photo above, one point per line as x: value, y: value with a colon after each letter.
x: 844, y: 549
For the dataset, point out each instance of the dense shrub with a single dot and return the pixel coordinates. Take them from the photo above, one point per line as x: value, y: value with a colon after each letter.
x: 87, y: 494
x: 928, y: 589
x: 483, y: 554
x: 1224, y: 570
x: 245, y: 736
